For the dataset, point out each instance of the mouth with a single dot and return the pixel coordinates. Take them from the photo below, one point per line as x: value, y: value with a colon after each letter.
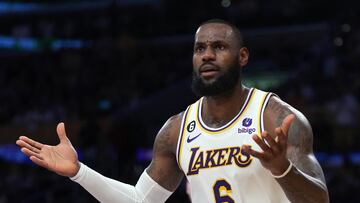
x: 208, y: 71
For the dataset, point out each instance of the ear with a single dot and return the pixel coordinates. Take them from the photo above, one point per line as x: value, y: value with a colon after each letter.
x: 243, y: 56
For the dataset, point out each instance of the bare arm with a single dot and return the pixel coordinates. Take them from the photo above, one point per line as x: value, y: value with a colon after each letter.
x: 164, y: 168
x: 305, y: 182
x: 287, y: 139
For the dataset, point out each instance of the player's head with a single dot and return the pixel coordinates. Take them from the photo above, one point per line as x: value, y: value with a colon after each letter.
x: 219, y: 55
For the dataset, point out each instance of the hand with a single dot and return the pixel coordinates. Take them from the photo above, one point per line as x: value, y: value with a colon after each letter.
x: 273, y: 156
x: 61, y: 159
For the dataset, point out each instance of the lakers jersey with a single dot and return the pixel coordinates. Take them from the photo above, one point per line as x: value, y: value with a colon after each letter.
x: 216, y: 167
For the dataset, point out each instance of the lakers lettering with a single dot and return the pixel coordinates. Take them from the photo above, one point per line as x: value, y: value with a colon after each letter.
x: 217, y: 157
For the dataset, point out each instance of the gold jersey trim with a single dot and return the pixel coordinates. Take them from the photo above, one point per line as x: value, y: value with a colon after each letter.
x: 182, y: 132
x: 231, y: 123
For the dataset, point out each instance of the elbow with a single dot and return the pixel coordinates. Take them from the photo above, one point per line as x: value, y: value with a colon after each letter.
x: 320, y: 195
x: 324, y: 195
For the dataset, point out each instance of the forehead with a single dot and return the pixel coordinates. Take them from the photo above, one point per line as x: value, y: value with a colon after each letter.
x: 214, y: 32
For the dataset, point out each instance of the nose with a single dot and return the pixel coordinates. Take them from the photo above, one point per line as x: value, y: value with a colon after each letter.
x: 209, y: 55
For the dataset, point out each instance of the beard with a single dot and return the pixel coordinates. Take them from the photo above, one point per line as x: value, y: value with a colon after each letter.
x: 222, y: 85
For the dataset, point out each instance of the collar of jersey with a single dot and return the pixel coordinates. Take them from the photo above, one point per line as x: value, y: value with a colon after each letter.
x: 233, y: 121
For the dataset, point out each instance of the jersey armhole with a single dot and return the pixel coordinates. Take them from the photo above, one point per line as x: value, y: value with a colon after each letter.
x: 263, y: 106
x: 181, y: 136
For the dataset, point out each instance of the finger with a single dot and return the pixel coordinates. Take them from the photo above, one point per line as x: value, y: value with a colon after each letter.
x: 60, y: 129
x: 261, y: 144
x: 31, y: 142
x: 38, y: 161
x: 274, y: 146
x: 282, y: 138
x: 260, y: 155
x: 287, y: 123
x: 26, y: 145
x: 29, y: 153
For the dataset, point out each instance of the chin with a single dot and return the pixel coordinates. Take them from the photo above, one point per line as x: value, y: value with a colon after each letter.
x: 209, y: 81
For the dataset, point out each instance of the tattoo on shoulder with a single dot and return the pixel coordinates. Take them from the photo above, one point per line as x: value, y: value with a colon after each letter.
x: 300, y: 133
x: 165, y: 140
x: 279, y: 108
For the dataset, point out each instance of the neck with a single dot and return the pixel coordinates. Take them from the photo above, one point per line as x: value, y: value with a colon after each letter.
x: 220, y: 109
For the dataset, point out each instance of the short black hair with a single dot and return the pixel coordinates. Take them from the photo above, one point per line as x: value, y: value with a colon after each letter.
x: 236, y: 30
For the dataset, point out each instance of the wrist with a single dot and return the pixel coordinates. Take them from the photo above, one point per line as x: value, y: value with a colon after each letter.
x: 78, y: 172
x: 284, y: 171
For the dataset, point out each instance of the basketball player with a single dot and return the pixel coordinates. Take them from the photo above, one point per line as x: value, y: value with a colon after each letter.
x: 235, y: 144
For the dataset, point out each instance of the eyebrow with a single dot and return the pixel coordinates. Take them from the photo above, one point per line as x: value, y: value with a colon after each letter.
x: 211, y: 42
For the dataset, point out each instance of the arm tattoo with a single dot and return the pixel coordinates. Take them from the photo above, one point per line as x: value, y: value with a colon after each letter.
x: 300, y: 151
x: 300, y: 139
x: 298, y: 186
x: 163, y: 168
x: 163, y: 140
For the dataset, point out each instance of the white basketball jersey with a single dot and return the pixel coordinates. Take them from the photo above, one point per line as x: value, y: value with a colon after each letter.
x: 211, y: 158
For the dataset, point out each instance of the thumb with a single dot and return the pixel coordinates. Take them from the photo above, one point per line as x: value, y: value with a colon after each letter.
x: 60, y: 129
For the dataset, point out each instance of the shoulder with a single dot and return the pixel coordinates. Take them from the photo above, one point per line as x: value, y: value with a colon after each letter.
x: 300, y: 130
x: 166, y: 139
x: 280, y: 109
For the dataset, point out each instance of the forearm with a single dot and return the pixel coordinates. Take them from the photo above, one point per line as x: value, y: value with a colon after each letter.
x: 300, y: 187
x: 108, y: 190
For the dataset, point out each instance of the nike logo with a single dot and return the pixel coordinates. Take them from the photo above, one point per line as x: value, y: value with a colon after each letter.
x: 192, y: 139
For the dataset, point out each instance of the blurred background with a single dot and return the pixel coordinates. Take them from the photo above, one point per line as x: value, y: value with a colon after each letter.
x: 115, y: 70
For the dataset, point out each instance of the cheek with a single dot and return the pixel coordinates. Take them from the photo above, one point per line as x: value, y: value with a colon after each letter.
x: 196, y: 61
x: 229, y: 59
x: 224, y: 58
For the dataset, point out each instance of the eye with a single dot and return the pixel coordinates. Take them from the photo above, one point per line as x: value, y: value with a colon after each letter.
x: 220, y: 47
x: 199, y: 49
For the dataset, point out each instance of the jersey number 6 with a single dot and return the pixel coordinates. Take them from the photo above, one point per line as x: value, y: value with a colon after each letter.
x: 222, y: 189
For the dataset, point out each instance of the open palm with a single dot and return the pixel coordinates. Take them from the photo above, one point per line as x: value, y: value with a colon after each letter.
x: 274, y: 150
x: 61, y: 159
